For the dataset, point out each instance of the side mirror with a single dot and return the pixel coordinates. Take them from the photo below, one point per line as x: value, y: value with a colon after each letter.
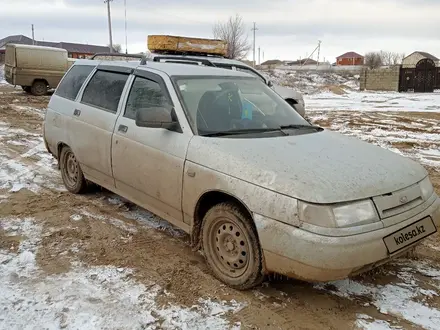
x: 156, y: 117
x: 270, y: 83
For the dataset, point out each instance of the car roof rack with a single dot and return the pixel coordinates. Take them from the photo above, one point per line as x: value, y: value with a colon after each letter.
x: 183, y: 59
x: 143, y: 58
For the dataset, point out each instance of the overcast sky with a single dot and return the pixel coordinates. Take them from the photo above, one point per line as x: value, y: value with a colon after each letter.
x: 287, y: 29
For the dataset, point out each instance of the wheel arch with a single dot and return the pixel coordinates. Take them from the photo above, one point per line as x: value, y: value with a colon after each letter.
x: 40, y: 79
x: 60, y: 146
x: 291, y: 100
x: 205, y: 202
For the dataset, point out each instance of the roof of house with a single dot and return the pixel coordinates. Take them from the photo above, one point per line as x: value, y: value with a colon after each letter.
x: 425, y: 54
x: 303, y: 61
x: 70, y: 47
x: 350, y: 55
x: 18, y: 39
x: 272, y: 62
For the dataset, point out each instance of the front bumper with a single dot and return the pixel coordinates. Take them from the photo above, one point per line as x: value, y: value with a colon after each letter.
x: 300, y: 254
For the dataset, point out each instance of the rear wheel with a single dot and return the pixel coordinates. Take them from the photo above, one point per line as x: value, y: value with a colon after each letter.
x: 231, y: 246
x: 39, y: 88
x: 71, y: 172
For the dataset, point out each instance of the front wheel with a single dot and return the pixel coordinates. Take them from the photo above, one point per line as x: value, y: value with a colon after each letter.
x: 71, y: 172
x: 231, y: 246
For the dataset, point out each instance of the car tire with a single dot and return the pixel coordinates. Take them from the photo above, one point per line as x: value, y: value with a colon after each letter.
x: 39, y: 88
x: 71, y: 173
x: 231, y: 246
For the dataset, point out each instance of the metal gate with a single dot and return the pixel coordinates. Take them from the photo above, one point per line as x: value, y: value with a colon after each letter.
x: 406, y: 79
x: 424, y: 76
x: 437, y: 79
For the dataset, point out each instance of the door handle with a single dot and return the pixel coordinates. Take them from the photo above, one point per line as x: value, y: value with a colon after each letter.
x: 122, y: 129
x: 76, y: 112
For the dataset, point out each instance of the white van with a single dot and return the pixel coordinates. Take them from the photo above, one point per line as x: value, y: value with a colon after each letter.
x: 35, y: 68
x: 222, y: 156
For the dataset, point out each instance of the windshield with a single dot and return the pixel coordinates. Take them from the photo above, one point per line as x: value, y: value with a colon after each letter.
x: 220, y: 104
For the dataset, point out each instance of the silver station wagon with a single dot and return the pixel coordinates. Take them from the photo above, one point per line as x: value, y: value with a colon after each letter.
x: 220, y: 155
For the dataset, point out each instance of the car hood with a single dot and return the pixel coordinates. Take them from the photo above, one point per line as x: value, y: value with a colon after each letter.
x: 322, y: 167
x: 286, y: 93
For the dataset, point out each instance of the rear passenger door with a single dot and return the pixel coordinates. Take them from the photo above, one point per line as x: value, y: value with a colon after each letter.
x: 148, y: 163
x: 62, y: 105
x: 93, y: 122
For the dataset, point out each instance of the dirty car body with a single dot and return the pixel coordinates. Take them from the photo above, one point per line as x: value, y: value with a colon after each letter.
x: 220, y: 155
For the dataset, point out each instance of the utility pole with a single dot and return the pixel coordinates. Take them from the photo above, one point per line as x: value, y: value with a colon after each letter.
x: 109, y: 24
x: 254, y: 29
x: 310, y: 56
x: 126, y: 43
x: 319, y: 50
x: 259, y: 62
x: 33, y: 35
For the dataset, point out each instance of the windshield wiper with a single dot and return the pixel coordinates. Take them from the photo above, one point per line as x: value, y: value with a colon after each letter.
x: 243, y: 131
x: 295, y: 126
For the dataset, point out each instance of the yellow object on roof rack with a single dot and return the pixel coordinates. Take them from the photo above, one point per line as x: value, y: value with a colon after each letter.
x: 186, y: 45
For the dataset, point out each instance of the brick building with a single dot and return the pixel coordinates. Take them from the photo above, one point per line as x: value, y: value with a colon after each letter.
x: 74, y: 50
x: 350, y: 58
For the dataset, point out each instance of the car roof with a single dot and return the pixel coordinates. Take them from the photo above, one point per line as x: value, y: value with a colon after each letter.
x: 171, y: 69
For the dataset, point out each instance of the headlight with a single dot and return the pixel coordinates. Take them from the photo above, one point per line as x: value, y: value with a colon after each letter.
x: 338, y: 215
x: 426, y: 188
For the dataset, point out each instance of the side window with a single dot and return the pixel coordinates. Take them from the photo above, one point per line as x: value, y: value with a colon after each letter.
x: 104, y: 90
x: 72, y: 82
x: 144, y: 94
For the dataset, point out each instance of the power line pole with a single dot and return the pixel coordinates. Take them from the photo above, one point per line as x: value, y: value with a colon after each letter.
x: 33, y: 35
x: 319, y: 51
x: 259, y: 62
x: 254, y: 29
x: 109, y: 24
x: 126, y: 42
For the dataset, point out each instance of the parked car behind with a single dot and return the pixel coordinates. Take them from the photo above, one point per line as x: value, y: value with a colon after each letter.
x: 35, y: 68
x: 222, y: 156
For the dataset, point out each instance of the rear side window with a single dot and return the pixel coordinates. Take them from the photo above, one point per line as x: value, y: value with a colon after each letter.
x: 72, y: 82
x: 145, y: 94
x: 104, y: 90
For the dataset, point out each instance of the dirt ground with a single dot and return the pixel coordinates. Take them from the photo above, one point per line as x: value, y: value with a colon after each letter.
x: 101, y: 229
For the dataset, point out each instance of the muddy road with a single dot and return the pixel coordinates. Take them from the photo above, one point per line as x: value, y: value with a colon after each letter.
x: 131, y: 270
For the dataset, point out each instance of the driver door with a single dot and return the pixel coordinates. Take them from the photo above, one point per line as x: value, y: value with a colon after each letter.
x: 148, y: 163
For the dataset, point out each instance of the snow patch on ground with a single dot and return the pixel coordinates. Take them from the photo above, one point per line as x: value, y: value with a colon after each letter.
x: 397, y: 299
x: 89, y: 297
x: 20, y: 173
x: 367, y: 323
x: 34, y: 169
x: 311, y: 82
x: 373, y: 101
x: 2, y: 75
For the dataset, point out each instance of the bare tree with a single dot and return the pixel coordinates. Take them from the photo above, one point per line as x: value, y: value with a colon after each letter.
x: 391, y: 58
x: 373, y: 60
x: 116, y: 48
x: 398, y: 58
x: 387, y: 57
x: 234, y: 33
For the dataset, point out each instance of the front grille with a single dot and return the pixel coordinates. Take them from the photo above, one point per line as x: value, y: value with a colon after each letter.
x: 398, y: 202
